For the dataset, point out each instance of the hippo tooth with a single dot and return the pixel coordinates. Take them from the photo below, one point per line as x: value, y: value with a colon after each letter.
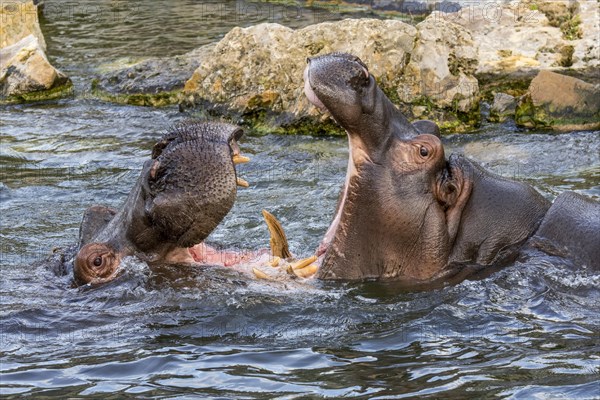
x: 303, y: 263
x: 259, y: 274
x: 275, y: 262
x: 238, y: 159
x: 306, y: 272
x: 242, y: 183
x: 325, y: 116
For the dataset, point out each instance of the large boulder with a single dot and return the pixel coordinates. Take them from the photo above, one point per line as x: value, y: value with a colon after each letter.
x: 25, y: 72
x: 440, y: 76
x: 530, y: 35
x: 517, y: 39
x: 559, y: 102
x: 510, y: 38
x: 255, y: 74
x: 154, y: 82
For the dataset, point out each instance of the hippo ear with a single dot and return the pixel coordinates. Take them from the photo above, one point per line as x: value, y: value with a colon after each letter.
x: 427, y: 126
x: 95, y: 219
x: 452, y: 191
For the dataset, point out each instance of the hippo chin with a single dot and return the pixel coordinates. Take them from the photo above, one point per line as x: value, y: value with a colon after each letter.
x: 408, y: 213
x: 182, y: 194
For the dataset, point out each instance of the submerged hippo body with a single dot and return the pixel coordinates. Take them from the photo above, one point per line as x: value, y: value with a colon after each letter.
x: 409, y: 213
x: 182, y: 194
x: 571, y: 229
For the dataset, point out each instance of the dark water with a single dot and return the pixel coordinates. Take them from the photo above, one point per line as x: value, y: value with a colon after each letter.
x: 531, y: 330
x: 95, y: 35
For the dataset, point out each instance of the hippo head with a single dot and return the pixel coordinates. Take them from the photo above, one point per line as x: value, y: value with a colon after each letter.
x: 182, y: 194
x: 401, y: 201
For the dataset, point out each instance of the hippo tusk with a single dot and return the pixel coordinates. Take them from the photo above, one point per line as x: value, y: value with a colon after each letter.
x: 304, y: 263
x: 259, y: 274
x: 275, y: 262
x: 278, y: 242
x: 307, y: 271
x: 242, y: 183
x: 238, y: 159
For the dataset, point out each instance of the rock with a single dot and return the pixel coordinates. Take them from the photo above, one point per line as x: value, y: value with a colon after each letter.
x: 25, y: 73
x: 504, y: 107
x: 532, y: 34
x: 152, y: 82
x: 440, y: 75
x: 509, y: 37
x: 255, y: 74
x: 517, y: 39
x: 19, y: 19
x: 587, y: 49
x: 559, y: 102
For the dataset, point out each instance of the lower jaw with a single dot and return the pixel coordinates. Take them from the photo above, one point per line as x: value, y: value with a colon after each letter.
x: 205, y: 254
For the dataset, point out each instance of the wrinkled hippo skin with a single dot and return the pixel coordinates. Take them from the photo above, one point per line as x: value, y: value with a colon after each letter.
x: 410, y: 214
x: 182, y: 194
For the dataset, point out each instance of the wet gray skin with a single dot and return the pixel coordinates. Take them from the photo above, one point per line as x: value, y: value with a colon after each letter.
x: 406, y: 212
x: 182, y: 194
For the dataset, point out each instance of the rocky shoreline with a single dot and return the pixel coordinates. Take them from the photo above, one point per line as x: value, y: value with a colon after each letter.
x: 522, y: 58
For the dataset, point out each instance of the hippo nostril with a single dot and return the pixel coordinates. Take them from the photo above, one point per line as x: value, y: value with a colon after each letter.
x: 308, y: 60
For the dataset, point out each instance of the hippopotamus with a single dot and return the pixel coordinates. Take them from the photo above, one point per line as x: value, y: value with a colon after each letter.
x: 183, y: 192
x: 409, y: 213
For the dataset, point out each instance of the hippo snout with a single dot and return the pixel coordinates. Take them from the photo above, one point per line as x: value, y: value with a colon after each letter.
x: 192, y: 181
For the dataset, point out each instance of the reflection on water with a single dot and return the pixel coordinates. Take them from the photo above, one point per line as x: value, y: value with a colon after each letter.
x: 530, y: 330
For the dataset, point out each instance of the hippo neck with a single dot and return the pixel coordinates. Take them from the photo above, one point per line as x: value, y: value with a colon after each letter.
x: 372, y: 245
x: 499, y: 216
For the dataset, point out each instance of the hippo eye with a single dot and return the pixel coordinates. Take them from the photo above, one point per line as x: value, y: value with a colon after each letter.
x: 424, y: 152
x: 97, y: 261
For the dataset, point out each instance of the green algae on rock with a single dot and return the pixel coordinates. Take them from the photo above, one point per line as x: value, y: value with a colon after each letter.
x: 503, y: 107
x: 152, y: 82
x: 559, y: 102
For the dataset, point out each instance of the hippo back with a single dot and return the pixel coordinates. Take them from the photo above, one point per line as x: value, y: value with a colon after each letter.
x: 572, y: 228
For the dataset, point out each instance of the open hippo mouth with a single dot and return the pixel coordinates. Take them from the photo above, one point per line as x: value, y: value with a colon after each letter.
x: 341, y: 71
x: 183, y: 192
x: 340, y: 84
